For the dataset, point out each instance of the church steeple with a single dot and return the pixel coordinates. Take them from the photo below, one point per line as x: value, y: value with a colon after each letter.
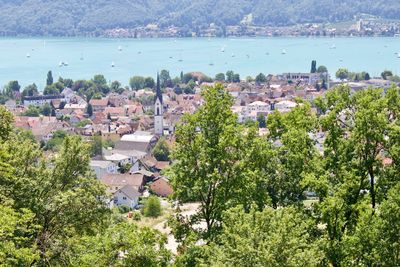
x: 158, y: 89
x: 158, y: 110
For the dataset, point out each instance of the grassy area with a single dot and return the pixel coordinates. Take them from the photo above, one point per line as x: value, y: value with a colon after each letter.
x: 310, y: 201
x: 152, y: 222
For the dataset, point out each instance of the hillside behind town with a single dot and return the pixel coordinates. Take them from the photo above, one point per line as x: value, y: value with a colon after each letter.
x: 73, y: 17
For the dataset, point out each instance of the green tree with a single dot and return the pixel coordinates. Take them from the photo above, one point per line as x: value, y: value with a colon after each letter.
x: 116, y: 87
x: 12, y: 88
x: 15, y: 247
x: 100, y: 83
x: 165, y: 79
x: 49, y: 80
x: 97, y: 145
x: 282, y: 237
x: 323, y: 85
x: 56, y: 141
x: 32, y: 111
x: 46, y: 110
x: 386, y: 74
x: 89, y: 110
x: 313, y: 66
x: 342, y: 74
x: 51, y: 90
x: 236, y: 78
x: 220, y: 77
x: 262, y: 123
x: 322, y: 69
x: 68, y: 186
x: 30, y: 90
x: 137, y: 82
x: 210, y: 147
x: 352, y: 177
x: 161, y: 150
x: 141, y: 246
x: 152, y: 207
x: 229, y: 76
x: 68, y: 83
x: 149, y: 82
x: 6, y: 120
x: 187, y: 77
x: 260, y: 78
x: 249, y: 79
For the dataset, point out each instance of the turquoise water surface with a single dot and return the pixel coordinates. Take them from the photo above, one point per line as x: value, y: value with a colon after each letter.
x: 28, y: 60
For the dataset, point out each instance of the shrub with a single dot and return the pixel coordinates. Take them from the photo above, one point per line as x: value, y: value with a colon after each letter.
x: 124, y: 209
x: 152, y: 207
x: 137, y: 216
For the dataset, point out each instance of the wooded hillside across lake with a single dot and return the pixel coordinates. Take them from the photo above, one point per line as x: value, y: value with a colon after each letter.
x: 58, y: 17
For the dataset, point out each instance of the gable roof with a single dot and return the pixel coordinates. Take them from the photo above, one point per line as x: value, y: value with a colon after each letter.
x: 100, y: 163
x: 130, y: 191
x: 135, y: 179
x: 99, y: 102
x: 116, y: 157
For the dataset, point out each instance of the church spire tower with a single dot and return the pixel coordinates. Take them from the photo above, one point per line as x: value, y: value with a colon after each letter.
x: 158, y: 110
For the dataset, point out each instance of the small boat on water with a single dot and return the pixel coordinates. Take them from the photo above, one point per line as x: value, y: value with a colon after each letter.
x: 233, y: 55
x: 119, y: 48
x: 398, y: 55
x: 112, y: 64
x: 333, y: 46
x: 28, y: 55
x: 65, y: 64
x: 61, y: 64
x: 223, y: 49
x: 283, y: 52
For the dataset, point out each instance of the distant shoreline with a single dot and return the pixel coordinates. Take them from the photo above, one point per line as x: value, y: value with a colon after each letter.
x: 195, y: 37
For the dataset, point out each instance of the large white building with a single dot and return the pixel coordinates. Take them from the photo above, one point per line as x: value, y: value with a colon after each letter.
x: 40, y: 100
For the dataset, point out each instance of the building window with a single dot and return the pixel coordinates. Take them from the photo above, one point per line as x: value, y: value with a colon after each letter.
x: 124, y: 198
x: 158, y: 111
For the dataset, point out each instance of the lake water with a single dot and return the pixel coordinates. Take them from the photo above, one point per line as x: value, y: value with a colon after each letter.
x: 247, y: 56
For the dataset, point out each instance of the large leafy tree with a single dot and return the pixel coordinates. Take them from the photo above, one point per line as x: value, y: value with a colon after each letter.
x: 282, y: 237
x: 361, y: 131
x: 161, y: 151
x: 209, y: 155
x: 295, y: 154
x: 124, y: 244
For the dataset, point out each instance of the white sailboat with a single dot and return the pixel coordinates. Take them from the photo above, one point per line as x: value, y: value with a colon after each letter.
x: 112, y: 64
x: 283, y: 52
x: 119, y: 48
x: 333, y: 46
x: 28, y: 55
x: 223, y: 49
